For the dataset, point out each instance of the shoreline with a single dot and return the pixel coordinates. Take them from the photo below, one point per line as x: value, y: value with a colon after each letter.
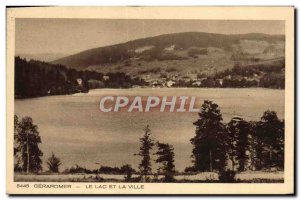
x: 155, y: 88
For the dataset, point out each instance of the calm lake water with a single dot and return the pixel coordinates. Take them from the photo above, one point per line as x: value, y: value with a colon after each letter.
x: 73, y: 127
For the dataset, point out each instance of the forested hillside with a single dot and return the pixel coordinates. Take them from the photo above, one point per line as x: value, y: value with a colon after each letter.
x: 35, y: 78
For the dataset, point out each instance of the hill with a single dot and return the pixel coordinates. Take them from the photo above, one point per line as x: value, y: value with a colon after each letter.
x: 45, y: 57
x: 173, y: 60
x: 184, y: 48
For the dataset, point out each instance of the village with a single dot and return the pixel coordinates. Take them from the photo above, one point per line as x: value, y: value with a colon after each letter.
x: 199, y: 80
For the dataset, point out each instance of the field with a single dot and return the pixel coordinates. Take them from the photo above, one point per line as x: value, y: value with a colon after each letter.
x: 217, y: 60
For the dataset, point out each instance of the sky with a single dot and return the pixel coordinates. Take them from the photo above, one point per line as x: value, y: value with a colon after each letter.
x: 69, y: 36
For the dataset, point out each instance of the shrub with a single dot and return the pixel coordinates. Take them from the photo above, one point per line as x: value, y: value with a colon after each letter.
x: 193, y: 52
x: 171, y: 69
x: 227, y: 176
x: 190, y: 169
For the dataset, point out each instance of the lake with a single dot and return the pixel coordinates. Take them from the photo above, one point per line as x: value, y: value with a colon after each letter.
x: 73, y: 127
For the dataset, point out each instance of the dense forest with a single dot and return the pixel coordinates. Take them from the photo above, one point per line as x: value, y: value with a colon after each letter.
x: 35, y: 78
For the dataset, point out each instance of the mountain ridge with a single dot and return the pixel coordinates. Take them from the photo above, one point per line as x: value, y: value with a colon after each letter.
x: 184, y: 40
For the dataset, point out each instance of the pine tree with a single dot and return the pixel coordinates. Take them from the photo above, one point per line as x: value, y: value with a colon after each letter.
x: 237, y: 143
x: 17, y: 157
x: 146, y: 146
x: 16, y: 134
x: 242, y: 145
x: 255, y: 147
x: 28, y: 140
x: 53, y: 163
x: 270, y: 131
x: 165, y: 155
x: 231, y: 142
x: 208, y: 150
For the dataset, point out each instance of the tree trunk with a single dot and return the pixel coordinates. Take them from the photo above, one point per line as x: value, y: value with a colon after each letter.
x: 271, y: 157
x: 27, y: 149
x: 210, y: 161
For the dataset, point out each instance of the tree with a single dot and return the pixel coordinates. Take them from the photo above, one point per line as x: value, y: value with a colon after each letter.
x: 237, y: 143
x: 165, y: 155
x: 146, y: 146
x: 255, y: 147
x: 17, y: 158
x: 208, y: 151
x: 243, y: 144
x: 16, y: 134
x: 128, y: 170
x: 231, y: 142
x: 270, y: 131
x: 244, y: 129
x: 28, y: 139
x: 53, y: 163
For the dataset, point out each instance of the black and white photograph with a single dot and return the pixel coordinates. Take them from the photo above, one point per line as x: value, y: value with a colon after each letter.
x: 136, y: 101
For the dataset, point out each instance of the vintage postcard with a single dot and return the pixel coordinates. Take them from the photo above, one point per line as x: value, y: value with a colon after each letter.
x: 150, y: 100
